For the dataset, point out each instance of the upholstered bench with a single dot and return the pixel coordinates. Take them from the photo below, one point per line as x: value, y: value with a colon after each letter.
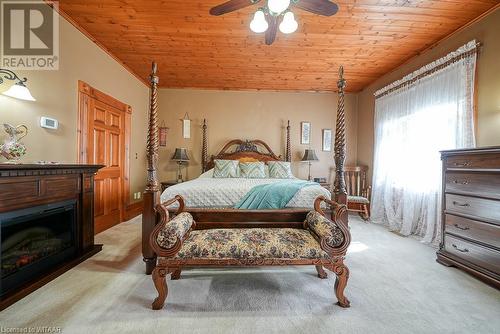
x: 320, y: 242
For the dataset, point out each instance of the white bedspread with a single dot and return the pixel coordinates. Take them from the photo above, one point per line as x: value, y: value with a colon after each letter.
x: 225, y: 193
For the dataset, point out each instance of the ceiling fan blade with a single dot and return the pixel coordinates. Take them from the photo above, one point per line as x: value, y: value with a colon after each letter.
x: 320, y: 7
x: 272, y: 30
x: 231, y: 6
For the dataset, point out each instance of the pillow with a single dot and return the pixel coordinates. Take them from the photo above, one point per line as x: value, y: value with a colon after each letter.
x: 208, y: 174
x: 280, y: 170
x: 253, y: 170
x: 226, y: 168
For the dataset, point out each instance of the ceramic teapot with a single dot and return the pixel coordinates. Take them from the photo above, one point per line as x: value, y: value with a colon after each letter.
x: 12, y: 148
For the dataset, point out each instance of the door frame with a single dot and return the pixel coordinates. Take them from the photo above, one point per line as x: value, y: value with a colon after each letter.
x: 85, y: 91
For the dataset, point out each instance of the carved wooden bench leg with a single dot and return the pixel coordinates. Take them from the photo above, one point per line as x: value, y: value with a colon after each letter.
x: 342, y: 273
x: 150, y: 265
x: 159, y: 279
x: 321, y: 272
x: 176, y: 274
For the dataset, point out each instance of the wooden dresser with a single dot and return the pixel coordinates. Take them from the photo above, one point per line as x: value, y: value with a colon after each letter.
x: 471, y: 212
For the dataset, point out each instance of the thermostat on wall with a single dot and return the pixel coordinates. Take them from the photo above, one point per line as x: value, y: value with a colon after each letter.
x: 49, y: 123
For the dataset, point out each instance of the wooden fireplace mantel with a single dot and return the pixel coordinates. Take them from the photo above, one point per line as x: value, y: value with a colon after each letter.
x: 25, y: 186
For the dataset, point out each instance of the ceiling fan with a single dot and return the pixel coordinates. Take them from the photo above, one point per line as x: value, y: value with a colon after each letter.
x: 278, y: 14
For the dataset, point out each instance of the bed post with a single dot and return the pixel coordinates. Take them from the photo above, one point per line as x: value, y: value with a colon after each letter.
x: 288, y: 152
x: 204, y: 148
x: 152, y: 192
x: 339, y: 187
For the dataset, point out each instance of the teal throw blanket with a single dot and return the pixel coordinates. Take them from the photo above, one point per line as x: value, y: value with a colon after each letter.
x: 272, y: 196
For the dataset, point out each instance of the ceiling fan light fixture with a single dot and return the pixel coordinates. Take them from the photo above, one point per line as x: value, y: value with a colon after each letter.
x: 289, y: 24
x: 259, y: 23
x: 278, y: 6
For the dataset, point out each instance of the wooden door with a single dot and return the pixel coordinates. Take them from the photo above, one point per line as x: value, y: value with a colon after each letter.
x: 106, y: 125
x: 103, y: 140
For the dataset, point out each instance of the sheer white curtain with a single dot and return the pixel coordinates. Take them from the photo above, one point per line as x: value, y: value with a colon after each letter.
x: 412, y: 124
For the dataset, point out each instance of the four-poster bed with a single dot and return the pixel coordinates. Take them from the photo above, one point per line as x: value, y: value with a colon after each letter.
x: 209, y: 193
x: 213, y: 217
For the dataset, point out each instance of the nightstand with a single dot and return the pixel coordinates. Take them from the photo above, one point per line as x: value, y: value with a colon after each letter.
x: 166, y: 184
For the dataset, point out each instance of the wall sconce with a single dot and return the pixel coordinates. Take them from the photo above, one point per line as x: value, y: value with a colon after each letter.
x: 18, y: 90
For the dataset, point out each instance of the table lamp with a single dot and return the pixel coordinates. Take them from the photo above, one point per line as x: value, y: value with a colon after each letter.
x: 309, y: 157
x: 180, y: 155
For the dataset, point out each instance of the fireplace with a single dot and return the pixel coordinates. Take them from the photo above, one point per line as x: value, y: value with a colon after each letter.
x: 46, y: 224
x: 34, y: 241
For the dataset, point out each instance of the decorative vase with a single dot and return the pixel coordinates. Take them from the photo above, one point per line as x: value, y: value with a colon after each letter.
x: 12, y: 148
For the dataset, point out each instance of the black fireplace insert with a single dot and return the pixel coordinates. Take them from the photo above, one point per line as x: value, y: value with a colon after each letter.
x: 35, y: 241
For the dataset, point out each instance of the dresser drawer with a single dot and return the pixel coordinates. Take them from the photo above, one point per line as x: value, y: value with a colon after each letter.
x: 487, y: 209
x: 486, y: 233
x: 482, y: 256
x: 482, y: 161
x: 479, y: 184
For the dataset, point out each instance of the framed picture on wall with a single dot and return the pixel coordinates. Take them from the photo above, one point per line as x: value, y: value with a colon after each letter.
x: 186, y: 127
x: 162, y: 134
x: 305, y: 133
x: 327, y: 140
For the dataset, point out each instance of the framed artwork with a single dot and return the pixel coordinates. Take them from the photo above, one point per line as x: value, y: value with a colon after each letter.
x: 186, y: 127
x: 305, y: 133
x: 327, y: 140
x: 162, y: 133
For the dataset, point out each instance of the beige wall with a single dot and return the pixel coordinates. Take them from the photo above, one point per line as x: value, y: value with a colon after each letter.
x: 487, y: 31
x: 251, y: 115
x: 57, y: 95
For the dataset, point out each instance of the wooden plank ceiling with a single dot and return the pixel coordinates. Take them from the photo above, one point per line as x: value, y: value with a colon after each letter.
x: 196, y: 50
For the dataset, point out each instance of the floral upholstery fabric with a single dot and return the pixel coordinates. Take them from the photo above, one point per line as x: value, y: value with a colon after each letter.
x: 357, y: 199
x: 226, y: 168
x: 245, y: 243
x: 325, y: 228
x: 175, y: 229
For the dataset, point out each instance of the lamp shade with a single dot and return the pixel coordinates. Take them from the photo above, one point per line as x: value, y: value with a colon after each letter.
x: 19, y: 91
x: 180, y: 154
x: 259, y: 23
x: 288, y: 25
x: 278, y: 6
x: 310, y: 155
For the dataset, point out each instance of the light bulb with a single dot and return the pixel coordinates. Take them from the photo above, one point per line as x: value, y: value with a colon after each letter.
x: 289, y: 24
x: 259, y: 23
x: 278, y: 6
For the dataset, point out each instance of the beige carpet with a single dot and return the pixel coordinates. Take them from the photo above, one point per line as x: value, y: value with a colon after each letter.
x: 395, y: 287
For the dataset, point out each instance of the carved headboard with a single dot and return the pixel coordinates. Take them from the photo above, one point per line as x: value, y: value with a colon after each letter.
x: 244, y: 150
x: 249, y: 150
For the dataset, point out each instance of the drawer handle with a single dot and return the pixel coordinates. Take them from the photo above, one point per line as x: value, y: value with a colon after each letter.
x: 461, y: 164
x: 461, y: 182
x: 461, y: 228
x: 464, y: 250
x: 461, y: 204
